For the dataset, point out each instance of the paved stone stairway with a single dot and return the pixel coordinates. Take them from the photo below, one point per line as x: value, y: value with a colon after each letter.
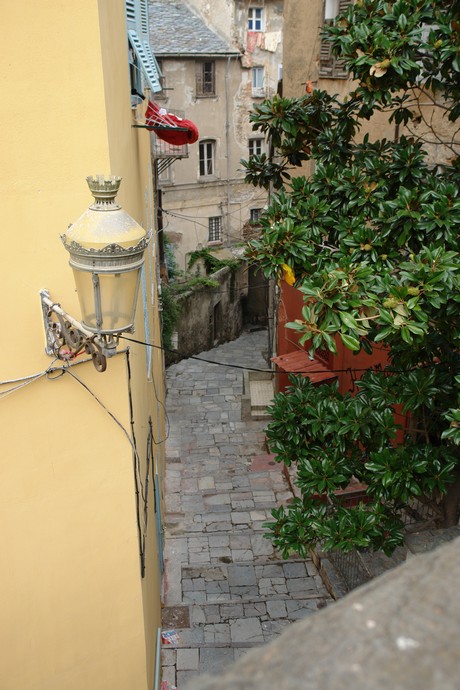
x: 225, y: 589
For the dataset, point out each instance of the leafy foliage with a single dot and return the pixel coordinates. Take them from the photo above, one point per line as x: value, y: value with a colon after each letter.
x: 212, y: 263
x: 194, y: 283
x: 372, y: 238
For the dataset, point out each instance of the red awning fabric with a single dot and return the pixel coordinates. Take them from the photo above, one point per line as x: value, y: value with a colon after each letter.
x: 157, y: 119
x: 299, y: 362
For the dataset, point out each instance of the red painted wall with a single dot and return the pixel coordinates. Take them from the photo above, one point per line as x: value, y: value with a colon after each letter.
x: 348, y: 365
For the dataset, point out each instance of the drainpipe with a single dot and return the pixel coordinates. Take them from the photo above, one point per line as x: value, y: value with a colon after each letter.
x: 227, y: 144
x: 156, y: 682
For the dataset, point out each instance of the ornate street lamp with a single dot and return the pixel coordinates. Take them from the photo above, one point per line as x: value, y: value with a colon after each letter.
x: 106, y: 248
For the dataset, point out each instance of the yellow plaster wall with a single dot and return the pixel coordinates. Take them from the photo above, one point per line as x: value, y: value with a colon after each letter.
x: 75, y: 612
x: 130, y: 150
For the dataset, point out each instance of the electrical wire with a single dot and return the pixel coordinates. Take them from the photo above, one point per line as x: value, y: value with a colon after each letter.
x: 377, y: 368
x: 99, y: 401
x: 4, y: 394
x: 166, y: 416
x: 23, y: 378
x: 26, y: 380
x: 191, y: 219
x: 52, y: 373
x: 142, y: 532
x: 131, y: 421
x: 66, y: 370
x: 237, y: 212
x: 61, y: 370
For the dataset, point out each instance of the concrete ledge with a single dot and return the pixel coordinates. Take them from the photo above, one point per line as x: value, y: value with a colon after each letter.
x: 399, y: 631
x: 250, y: 410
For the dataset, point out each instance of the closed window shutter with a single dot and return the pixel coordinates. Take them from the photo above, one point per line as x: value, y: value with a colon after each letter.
x: 153, y: 66
x: 144, y: 19
x: 149, y: 64
x: 326, y: 59
x: 329, y: 65
x: 131, y: 19
x: 343, y: 4
x: 199, y: 78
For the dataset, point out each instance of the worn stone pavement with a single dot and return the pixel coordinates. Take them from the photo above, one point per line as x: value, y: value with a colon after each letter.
x: 225, y: 589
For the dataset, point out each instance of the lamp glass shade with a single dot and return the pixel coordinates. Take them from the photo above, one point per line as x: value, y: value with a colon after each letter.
x: 106, y: 247
x: 107, y: 300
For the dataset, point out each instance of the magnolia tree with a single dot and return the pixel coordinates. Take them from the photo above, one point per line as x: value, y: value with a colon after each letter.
x: 371, y: 240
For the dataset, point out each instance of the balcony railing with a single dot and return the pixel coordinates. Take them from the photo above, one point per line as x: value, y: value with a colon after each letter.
x: 162, y: 150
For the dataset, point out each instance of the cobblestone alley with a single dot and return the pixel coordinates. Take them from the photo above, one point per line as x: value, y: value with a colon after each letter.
x: 225, y: 590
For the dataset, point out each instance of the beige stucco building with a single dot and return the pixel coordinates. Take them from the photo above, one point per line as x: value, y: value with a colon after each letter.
x: 308, y: 58
x: 309, y: 63
x: 218, y: 60
x: 76, y: 611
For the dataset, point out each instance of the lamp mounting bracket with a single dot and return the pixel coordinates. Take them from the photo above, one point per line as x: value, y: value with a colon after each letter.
x: 66, y: 337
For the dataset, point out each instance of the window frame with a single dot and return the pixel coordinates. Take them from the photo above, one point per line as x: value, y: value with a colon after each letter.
x: 165, y: 176
x: 207, y: 158
x: 215, y: 227
x: 256, y: 146
x: 135, y: 76
x: 254, y: 214
x: 253, y: 20
x: 205, y: 86
x: 257, y: 78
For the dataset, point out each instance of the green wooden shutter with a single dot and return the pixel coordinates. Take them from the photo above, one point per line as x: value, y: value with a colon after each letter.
x: 143, y: 26
x: 149, y: 65
x: 131, y: 18
x: 154, y: 67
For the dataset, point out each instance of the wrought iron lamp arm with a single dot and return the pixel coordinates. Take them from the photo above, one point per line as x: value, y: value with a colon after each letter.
x: 66, y: 337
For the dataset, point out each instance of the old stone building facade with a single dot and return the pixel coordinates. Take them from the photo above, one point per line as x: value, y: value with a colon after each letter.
x: 218, y: 60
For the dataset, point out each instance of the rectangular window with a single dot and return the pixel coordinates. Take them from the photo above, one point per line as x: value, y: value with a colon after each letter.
x: 255, y: 214
x: 205, y: 78
x: 330, y: 66
x: 255, y: 19
x: 215, y: 229
x: 135, y: 74
x: 258, y: 82
x: 206, y: 158
x: 255, y: 147
x: 165, y: 172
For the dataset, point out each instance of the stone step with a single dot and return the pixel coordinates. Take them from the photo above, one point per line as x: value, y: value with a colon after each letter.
x: 256, y: 623
x: 237, y: 582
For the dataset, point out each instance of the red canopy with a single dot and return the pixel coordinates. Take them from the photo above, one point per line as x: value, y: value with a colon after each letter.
x: 157, y: 118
